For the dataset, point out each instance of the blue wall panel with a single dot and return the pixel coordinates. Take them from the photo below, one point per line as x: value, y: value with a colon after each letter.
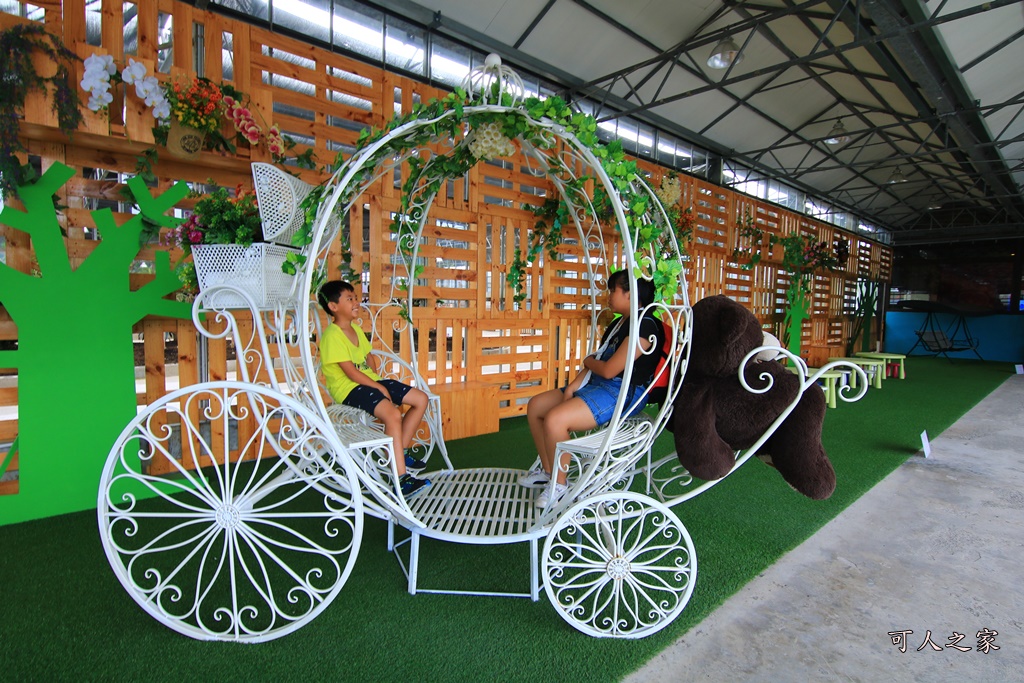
x: 1000, y: 336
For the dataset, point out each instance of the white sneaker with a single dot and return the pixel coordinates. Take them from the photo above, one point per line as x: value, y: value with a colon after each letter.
x: 542, y: 499
x: 535, y: 478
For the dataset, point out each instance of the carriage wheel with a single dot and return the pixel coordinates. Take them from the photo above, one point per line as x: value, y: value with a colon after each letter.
x: 619, y: 565
x: 214, y: 518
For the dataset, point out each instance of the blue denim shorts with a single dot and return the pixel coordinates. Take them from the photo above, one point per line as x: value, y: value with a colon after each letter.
x: 600, y: 395
x: 366, y: 398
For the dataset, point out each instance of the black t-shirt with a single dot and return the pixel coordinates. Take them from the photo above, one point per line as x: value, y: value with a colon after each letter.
x: 644, y: 366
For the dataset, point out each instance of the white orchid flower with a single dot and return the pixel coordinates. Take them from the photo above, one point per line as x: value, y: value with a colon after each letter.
x: 147, y: 87
x: 99, y: 100
x: 97, y: 74
x: 93, y: 84
x: 154, y: 98
x: 134, y: 72
x: 104, y: 63
x: 162, y: 110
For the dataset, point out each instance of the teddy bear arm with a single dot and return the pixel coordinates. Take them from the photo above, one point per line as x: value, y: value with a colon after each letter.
x: 796, y: 450
x: 699, y: 447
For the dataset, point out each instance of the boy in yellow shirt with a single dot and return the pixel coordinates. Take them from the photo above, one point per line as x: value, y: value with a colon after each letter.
x: 346, y: 363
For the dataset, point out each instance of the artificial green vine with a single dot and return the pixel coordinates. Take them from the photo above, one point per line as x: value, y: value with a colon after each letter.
x: 17, y: 45
x: 801, y: 257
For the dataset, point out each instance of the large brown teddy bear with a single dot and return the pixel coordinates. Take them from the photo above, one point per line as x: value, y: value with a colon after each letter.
x: 714, y: 416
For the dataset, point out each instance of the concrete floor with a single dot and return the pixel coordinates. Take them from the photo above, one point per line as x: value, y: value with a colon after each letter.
x: 938, y: 545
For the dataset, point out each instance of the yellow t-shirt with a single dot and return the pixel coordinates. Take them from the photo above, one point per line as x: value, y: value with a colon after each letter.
x: 336, y: 348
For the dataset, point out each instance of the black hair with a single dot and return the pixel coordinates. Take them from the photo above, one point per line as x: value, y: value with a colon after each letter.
x: 331, y: 292
x: 644, y: 287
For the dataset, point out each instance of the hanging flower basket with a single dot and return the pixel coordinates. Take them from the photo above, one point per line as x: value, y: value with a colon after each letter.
x: 184, y: 142
x: 255, y: 269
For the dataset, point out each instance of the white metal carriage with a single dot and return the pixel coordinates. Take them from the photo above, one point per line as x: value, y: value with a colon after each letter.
x: 258, y: 528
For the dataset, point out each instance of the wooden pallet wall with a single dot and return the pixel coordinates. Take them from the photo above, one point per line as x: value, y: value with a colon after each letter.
x: 474, y: 330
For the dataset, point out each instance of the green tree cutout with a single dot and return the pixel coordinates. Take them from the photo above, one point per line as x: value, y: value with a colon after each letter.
x: 76, y: 380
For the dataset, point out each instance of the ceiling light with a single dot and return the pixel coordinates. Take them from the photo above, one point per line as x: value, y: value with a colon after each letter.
x: 897, y: 177
x: 837, y: 135
x: 725, y: 54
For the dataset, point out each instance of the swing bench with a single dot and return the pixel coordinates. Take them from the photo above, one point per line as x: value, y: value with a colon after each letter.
x: 938, y: 341
x: 259, y: 527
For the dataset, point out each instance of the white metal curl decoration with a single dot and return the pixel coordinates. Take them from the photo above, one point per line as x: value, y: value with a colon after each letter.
x: 803, y: 372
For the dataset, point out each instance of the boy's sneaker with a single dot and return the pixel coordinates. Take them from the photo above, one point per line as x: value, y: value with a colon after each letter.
x: 410, y: 485
x: 414, y: 465
x: 535, y: 478
x: 545, y: 496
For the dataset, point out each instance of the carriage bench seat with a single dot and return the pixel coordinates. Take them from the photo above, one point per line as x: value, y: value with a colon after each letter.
x: 484, y: 505
x: 370, y: 448
x: 355, y: 435
x: 482, y: 502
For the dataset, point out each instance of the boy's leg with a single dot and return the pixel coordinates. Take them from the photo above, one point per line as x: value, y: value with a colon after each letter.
x: 569, y: 416
x: 417, y: 402
x: 391, y: 416
x: 536, y: 410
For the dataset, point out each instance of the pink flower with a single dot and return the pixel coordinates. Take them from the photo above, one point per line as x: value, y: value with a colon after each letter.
x: 195, y: 237
x: 275, y: 148
x: 229, y: 101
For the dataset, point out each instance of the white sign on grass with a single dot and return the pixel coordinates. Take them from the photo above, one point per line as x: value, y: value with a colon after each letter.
x: 925, y: 444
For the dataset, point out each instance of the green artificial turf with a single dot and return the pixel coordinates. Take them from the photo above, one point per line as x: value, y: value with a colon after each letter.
x: 64, y: 616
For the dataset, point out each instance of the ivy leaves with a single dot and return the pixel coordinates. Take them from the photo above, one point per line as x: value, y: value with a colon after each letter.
x: 801, y: 256
x: 18, y: 44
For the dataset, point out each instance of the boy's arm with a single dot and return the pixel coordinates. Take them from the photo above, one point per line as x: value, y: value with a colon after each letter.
x: 373, y: 362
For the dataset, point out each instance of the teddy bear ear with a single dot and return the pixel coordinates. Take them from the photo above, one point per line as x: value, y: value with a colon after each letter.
x: 769, y: 354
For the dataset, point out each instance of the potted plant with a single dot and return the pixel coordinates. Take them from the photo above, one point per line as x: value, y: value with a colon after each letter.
x: 224, y: 237
x: 189, y: 112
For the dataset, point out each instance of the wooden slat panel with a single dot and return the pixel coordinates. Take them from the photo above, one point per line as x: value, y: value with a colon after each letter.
x: 466, y: 266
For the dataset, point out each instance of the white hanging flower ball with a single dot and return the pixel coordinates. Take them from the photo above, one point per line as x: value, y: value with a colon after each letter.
x: 488, y: 142
x: 670, y: 191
